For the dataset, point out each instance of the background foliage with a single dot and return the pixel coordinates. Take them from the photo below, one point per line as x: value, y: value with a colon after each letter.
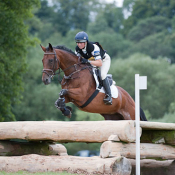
x: 139, y: 37
x: 13, y: 41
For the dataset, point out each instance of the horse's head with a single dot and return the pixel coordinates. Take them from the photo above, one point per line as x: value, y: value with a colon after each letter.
x: 50, y: 64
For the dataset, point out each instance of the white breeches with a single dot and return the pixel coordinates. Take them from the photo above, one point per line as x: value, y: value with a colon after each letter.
x: 105, y: 66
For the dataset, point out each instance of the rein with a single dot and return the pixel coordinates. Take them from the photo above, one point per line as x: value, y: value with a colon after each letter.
x: 55, y: 68
x: 76, y: 71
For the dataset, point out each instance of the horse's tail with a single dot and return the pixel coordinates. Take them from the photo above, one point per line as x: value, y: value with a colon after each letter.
x: 142, y: 115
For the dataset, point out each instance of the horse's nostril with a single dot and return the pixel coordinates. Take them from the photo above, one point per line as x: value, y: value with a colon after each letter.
x: 47, y: 81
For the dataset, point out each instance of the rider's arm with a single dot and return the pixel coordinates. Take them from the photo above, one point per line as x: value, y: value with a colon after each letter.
x: 97, y: 63
x: 96, y: 54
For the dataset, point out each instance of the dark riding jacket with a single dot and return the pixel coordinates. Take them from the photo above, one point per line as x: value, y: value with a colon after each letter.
x: 89, y: 49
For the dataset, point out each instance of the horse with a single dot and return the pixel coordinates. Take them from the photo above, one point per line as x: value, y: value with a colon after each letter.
x: 78, y: 85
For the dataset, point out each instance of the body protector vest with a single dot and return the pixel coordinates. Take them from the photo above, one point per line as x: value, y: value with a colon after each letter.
x: 89, y: 49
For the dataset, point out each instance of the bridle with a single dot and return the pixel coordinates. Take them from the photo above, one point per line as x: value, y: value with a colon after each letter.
x: 56, y: 62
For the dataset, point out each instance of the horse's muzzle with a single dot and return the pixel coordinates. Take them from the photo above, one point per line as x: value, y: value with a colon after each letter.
x: 46, y: 80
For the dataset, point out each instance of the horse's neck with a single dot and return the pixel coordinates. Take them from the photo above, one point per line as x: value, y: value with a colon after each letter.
x: 68, y: 65
x: 67, y: 61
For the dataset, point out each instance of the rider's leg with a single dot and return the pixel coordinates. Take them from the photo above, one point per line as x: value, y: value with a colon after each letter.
x: 104, y: 70
x: 108, y: 98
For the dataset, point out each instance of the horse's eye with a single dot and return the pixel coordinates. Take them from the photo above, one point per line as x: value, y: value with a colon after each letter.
x: 50, y: 61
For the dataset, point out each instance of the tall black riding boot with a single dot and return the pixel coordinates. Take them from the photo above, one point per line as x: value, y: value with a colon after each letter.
x: 108, y: 99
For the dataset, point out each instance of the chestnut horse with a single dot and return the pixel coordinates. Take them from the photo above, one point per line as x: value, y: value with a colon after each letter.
x: 78, y: 85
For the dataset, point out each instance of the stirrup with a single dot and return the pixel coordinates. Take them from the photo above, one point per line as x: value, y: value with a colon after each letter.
x: 108, y: 100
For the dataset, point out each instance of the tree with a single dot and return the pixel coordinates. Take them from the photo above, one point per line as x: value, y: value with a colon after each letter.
x: 99, y: 25
x: 153, y: 36
x: 14, y: 41
x: 112, y: 42
x: 147, y: 27
x: 148, y: 8
x: 128, y: 5
x: 108, y: 18
x: 169, y: 116
x: 140, y: 11
x: 70, y: 15
x: 156, y: 45
x: 113, y: 16
x: 46, y: 12
x: 41, y: 25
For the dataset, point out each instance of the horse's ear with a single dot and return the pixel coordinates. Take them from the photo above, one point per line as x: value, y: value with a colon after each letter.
x: 50, y: 47
x: 43, y: 48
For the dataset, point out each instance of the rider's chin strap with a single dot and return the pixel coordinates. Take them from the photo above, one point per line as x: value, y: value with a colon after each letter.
x: 92, y: 96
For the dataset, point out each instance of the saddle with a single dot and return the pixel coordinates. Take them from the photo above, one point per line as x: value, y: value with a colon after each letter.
x: 99, y: 86
x: 98, y: 74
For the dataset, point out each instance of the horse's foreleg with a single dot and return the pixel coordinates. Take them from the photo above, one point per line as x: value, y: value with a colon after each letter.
x: 63, y: 92
x: 60, y: 104
x: 65, y: 96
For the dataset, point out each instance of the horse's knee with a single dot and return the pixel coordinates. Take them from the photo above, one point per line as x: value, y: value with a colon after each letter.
x: 66, y: 110
x: 63, y: 92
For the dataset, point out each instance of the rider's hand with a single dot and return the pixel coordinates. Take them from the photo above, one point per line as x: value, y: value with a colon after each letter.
x: 84, y: 61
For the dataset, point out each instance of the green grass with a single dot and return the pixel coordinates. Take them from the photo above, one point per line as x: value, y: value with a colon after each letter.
x: 27, y: 173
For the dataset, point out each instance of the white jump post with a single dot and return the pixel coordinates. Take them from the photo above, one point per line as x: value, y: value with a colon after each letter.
x: 140, y: 83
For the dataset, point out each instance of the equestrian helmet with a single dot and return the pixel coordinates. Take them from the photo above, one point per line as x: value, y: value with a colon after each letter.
x: 81, y: 37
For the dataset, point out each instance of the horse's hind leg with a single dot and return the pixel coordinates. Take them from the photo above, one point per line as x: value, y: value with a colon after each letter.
x: 115, y: 116
x: 130, y: 114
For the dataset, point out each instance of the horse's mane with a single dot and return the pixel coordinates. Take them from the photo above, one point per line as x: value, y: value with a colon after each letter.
x: 62, y: 48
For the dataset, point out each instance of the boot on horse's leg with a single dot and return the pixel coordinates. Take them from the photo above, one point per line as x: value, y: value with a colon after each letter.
x: 66, y: 112
x: 108, y: 99
x: 60, y: 104
x: 63, y: 92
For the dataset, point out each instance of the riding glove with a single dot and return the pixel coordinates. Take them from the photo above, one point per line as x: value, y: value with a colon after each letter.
x: 84, y: 61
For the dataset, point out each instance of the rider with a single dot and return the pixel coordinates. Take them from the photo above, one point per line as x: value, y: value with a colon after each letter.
x: 94, y: 54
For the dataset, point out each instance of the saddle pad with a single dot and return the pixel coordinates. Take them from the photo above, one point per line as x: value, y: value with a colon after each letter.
x: 114, y: 90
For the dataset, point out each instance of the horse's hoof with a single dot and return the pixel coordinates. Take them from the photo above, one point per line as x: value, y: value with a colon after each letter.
x: 67, y: 113
x: 68, y: 107
x: 69, y: 116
